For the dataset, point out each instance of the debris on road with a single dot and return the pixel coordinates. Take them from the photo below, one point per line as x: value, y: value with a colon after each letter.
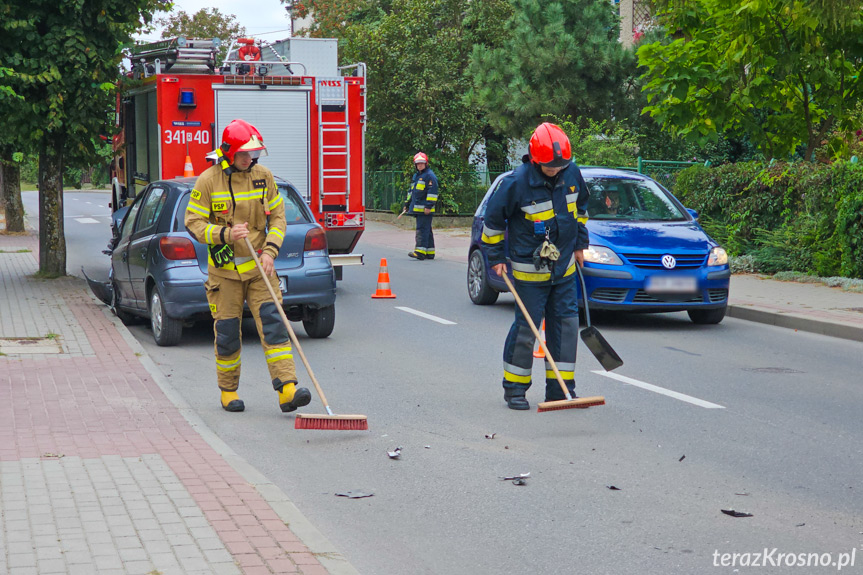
x: 613, y: 487
x: 354, y: 494
x: 396, y: 453
x: 490, y: 435
x: 517, y: 479
x: 734, y: 513
x: 682, y: 457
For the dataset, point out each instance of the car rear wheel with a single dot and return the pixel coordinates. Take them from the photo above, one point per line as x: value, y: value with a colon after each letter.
x: 480, y: 292
x: 319, y: 323
x: 706, y: 316
x: 166, y: 330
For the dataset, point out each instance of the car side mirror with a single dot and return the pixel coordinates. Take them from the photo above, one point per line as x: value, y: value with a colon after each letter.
x: 692, y: 213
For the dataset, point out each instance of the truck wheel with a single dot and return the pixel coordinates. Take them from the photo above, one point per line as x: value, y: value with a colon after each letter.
x: 477, y: 281
x: 166, y: 330
x: 320, y: 322
x: 706, y: 316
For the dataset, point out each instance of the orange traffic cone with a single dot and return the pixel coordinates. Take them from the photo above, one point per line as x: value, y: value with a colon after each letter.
x: 188, y: 170
x: 383, y: 290
x: 539, y: 352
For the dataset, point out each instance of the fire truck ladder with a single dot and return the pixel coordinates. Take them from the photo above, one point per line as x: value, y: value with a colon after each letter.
x: 177, y: 55
x: 333, y: 99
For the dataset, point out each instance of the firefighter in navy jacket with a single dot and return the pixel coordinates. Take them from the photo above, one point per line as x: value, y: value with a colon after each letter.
x: 421, y: 203
x: 543, y: 202
x: 235, y: 199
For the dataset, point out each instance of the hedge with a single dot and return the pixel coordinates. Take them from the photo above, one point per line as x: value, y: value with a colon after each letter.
x: 801, y: 217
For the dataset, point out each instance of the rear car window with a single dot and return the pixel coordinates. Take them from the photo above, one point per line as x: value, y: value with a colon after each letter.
x: 296, y: 212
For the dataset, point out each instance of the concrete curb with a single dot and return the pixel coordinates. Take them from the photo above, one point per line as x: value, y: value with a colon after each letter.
x: 795, y: 321
x: 326, y: 553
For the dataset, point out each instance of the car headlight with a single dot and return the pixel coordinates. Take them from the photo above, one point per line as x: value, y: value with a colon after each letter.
x: 717, y: 257
x: 601, y: 255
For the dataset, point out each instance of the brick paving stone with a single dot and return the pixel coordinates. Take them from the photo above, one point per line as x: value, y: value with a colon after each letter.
x: 95, y: 455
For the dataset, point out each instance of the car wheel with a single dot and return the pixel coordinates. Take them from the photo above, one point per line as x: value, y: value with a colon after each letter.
x: 706, y: 316
x: 319, y: 323
x: 477, y: 281
x: 166, y: 330
x: 125, y: 317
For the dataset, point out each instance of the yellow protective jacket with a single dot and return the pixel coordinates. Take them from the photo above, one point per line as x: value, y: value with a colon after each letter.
x: 219, y: 200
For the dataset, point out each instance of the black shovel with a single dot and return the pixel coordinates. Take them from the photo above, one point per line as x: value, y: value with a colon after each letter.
x: 591, y: 337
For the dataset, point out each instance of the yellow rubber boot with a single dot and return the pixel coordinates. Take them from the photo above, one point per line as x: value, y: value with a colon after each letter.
x: 291, y: 397
x: 232, y: 402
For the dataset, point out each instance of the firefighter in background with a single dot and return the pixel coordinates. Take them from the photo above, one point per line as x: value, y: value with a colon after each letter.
x: 543, y: 207
x: 421, y: 202
x: 232, y: 200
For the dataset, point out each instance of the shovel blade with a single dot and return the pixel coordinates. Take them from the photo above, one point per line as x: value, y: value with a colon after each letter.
x: 600, y: 349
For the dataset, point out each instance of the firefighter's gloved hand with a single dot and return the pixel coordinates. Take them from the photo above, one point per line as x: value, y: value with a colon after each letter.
x: 221, y: 255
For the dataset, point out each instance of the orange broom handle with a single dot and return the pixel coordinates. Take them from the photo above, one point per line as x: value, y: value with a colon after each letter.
x: 532, y: 325
x: 278, y: 302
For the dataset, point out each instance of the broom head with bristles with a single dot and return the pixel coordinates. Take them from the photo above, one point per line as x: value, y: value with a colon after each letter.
x: 577, y: 403
x: 331, y: 422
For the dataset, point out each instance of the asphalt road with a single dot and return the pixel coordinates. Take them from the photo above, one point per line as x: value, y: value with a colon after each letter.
x: 87, y: 228
x: 743, y: 417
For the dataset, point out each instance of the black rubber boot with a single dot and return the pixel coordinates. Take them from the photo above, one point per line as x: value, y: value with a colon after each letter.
x: 416, y: 256
x: 301, y: 398
x: 515, y: 399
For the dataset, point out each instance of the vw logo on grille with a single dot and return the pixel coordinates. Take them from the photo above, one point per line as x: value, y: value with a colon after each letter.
x: 668, y: 261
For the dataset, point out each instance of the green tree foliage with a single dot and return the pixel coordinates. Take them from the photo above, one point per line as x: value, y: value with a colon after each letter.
x: 66, y: 56
x: 205, y: 23
x: 559, y: 57
x: 600, y: 143
x: 781, y: 73
x: 417, y: 54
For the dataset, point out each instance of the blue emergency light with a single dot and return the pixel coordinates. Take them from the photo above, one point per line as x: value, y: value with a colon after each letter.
x: 187, y: 98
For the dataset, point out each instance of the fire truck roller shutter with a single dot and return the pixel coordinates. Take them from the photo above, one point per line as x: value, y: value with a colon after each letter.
x: 282, y: 117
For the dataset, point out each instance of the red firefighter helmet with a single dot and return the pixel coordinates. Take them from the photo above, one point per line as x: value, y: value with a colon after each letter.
x: 241, y: 136
x: 550, y: 147
x: 421, y: 158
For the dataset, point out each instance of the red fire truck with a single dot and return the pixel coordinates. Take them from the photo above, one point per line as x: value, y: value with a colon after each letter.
x: 172, y: 108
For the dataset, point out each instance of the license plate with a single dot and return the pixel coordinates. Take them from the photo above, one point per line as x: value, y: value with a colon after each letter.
x: 283, y: 284
x: 665, y: 284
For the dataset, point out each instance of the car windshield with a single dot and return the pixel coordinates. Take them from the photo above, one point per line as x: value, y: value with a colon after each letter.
x: 630, y: 199
x: 294, y: 212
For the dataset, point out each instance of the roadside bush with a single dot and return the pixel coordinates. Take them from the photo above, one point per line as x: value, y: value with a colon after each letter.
x: 799, y: 217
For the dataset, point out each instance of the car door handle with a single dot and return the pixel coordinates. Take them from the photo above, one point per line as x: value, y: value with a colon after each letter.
x: 123, y: 256
x: 143, y: 254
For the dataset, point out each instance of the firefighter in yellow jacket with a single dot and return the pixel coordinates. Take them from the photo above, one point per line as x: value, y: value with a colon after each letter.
x: 235, y: 199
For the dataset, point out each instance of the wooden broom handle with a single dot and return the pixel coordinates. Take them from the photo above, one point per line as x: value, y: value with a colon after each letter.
x: 537, y: 334
x: 277, y: 300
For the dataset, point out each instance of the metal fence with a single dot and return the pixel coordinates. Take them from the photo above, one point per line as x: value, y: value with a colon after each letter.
x: 385, y: 188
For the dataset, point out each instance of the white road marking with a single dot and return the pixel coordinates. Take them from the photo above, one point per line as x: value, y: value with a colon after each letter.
x: 427, y: 316
x: 660, y: 390
x: 86, y: 221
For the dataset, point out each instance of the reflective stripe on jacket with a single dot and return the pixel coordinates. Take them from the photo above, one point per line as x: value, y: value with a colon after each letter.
x: 423, y: 194
x: 526, y: 205
x: 218, y: 201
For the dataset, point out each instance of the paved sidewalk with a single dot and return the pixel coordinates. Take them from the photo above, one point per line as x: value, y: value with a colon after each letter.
x: 814, y: 308
x: 104, y: 470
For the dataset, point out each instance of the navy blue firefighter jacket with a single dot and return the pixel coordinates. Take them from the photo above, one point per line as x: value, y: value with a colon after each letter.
x: 423, y: 193
x: 526, y: 205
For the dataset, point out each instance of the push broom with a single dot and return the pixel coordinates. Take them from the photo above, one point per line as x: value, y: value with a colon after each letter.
x: 303, y: 421
x: 569, y: 402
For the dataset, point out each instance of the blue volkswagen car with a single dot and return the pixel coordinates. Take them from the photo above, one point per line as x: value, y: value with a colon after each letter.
x: 158, y: 270
x: 647, y: 252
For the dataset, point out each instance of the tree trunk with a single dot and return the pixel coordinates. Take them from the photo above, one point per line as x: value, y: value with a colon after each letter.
x: 11, y: 196
x: 52, y: 239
